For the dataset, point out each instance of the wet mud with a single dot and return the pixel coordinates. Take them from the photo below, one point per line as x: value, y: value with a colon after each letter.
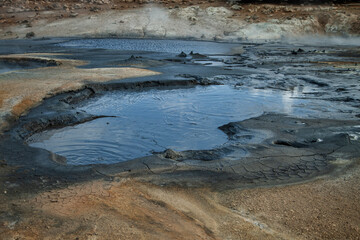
x: 292, y: 149
x: 279, y: 149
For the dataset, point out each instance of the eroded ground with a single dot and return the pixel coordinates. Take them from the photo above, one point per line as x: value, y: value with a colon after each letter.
x: 323, y: 209
x: 300, y: 182
x: 207, y: 20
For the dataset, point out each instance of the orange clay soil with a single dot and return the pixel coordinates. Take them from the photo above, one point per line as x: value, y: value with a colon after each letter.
x: 327, y: 208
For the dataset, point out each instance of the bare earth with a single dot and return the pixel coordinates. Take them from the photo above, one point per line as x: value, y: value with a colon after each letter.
x: 129, y: 208
x: 327, y: 208
x: 206, y: 20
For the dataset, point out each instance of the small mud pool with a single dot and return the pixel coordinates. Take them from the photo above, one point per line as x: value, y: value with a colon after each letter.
x: 153, y: 120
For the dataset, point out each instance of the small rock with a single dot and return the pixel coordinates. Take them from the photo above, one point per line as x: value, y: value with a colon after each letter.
x: 3, y: 163
x: 94, y: 9
x: 30, y: 35
x: 197, y: 55
x: 55, y: 6
x: 236, y: 7
x: 193, y: 19
x: 169, y: 153
x: 182, y: 54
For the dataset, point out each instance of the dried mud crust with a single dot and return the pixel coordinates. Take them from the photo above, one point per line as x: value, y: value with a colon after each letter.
x: 292, y: 154
x: 327, y: 208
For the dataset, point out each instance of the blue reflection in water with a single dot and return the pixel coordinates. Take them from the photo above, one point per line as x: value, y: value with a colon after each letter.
x: 152, y: 45
x: 154, y: 120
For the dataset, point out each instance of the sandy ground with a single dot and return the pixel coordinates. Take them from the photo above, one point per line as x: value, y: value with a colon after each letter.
x: 327, y: 208
x: 22, y: 90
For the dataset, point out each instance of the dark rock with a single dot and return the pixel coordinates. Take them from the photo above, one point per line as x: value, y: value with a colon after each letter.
x: 3, y: 163
x: 340, y: 90
x: 232, y: 130
x: 169, y: 153
x: 313, y: 81
x: 30, y: 35
x: 197, y: 55
x: 182, y: 54
x: 290, y: 144
x: 196, y: 77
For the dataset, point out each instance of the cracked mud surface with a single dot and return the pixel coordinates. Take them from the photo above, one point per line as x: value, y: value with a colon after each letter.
x: 300, y: 181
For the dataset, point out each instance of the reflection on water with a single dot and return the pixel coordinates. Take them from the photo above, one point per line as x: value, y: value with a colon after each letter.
x: 154, y: 120
x: 152, y: 45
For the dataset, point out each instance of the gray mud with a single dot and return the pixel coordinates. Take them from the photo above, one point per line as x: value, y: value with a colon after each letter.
x: 10, y: 64
x: 153, y: 120
x: 291, y: 147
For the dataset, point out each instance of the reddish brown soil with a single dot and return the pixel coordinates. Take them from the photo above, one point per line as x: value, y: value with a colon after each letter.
x: 20, y: 12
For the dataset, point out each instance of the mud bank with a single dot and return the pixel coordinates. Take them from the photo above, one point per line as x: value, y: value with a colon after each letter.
x: 302, y: 173
x: 21, y: 91
x: 293, y: 150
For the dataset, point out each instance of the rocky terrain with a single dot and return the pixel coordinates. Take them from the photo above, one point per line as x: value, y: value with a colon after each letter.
x: 206, y: 20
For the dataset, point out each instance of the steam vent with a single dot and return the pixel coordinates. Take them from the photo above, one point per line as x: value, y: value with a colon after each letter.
x: 181, y: 119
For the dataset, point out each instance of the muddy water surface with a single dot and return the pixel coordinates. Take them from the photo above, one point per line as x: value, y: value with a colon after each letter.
x: 180, y: 119
x: 149, y: 45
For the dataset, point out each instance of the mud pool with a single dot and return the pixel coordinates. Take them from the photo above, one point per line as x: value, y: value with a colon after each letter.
x: 260, y: 113
x: 181, y: 119
x: 149, y: 45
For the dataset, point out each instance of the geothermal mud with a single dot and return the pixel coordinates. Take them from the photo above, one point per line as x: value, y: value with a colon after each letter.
x: 143, y: 122
x: 170, y: 194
